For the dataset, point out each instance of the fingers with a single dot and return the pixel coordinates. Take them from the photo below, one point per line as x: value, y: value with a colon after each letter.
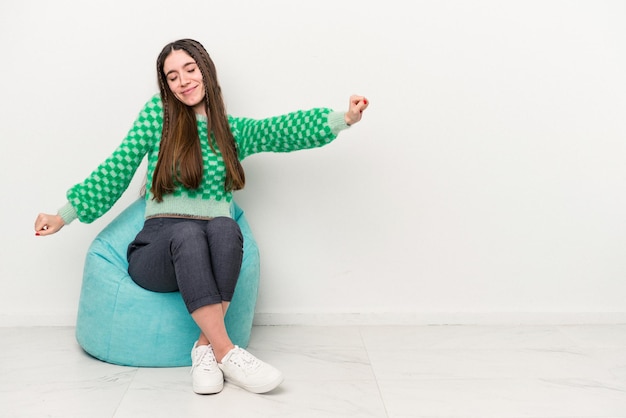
x: 359, y: 102
x: 44, y: 230
x: 357, y: 105
x: 41, y: 224
x: 47, y: 224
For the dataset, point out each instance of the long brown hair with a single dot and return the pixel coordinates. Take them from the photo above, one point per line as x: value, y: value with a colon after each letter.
x: 180, y: 155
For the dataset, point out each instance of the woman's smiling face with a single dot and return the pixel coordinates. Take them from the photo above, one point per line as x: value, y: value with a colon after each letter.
x: 185, y: 79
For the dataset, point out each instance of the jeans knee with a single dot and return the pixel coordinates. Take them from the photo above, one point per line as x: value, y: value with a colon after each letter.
x: 224, y: 226
x: 225, y: 233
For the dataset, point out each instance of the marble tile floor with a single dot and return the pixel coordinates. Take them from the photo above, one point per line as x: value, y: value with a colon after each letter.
x: 353, y: 371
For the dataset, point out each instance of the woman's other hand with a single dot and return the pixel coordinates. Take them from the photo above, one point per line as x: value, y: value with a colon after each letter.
x: 355, y: 111
x: 46, y: 224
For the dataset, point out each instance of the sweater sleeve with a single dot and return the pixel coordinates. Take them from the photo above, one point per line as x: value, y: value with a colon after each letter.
x: 92, y: 198
x: 294, y: 131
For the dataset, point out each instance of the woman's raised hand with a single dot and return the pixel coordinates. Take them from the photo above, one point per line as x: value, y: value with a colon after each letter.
x: 46, y: 224
x: 355, y: 111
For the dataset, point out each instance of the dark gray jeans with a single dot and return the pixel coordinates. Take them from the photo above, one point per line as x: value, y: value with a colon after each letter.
x: 200, y: 258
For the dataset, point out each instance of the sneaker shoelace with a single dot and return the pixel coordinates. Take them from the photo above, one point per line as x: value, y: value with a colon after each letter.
x: 206, y: 361
x: 246, y: 360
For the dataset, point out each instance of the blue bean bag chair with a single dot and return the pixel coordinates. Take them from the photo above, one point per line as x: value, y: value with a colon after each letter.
x: 121, y: 323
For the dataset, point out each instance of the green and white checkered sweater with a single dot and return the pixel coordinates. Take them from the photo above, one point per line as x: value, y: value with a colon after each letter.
x: 92, y: 198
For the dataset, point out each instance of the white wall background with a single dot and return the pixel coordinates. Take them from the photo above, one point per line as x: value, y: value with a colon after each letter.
x: 486, y: 182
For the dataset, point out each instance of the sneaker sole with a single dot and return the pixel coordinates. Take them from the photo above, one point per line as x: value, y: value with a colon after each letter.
x: 208, y: 390
x: 267, y: 387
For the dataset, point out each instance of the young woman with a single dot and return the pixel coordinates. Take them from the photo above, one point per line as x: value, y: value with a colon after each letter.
x: 189, y: 242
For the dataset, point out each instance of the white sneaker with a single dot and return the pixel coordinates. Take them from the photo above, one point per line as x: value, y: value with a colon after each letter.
x: 244, y: 370
x: 206, y: 376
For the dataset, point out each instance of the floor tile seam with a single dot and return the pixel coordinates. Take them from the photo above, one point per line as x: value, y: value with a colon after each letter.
x: 373, y: 371
x: 126, y: 392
